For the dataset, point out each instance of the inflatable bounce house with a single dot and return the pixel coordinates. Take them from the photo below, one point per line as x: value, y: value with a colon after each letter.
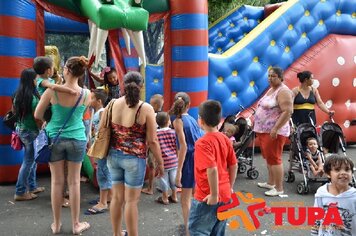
x: 227, y: 62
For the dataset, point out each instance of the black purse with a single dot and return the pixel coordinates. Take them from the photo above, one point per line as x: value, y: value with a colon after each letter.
x: 10, y: 119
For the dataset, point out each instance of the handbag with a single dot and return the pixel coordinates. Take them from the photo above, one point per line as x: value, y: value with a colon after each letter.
x: 99, y: 149
x: 16, y: 143
x: 42, y: 145
x: 10, y: 119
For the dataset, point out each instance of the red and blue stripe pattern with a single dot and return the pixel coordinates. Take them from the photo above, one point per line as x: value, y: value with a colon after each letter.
x: 189, y: 41
x: 17, y: 50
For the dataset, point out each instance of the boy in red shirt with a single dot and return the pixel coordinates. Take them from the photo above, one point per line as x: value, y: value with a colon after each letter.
x: 215, y: 168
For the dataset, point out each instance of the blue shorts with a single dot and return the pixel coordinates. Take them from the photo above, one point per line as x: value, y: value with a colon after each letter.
x: 103, y: 174
x: 201, y: 213
x: 187, y: 179
x: 68, y: 149
x: 126, y: 169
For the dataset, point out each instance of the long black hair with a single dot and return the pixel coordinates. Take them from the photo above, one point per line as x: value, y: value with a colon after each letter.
x: 24, y: 93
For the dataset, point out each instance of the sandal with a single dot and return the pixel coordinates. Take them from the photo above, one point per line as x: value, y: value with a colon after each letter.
x: 146, y: 191
x: 56, y: 230
x: 82, y: 226
x: 160, y: 200
x: 170, y: 199
x: 95, y: 211
x: 124, y: 233
x: 25, y: 197
x: 66, y: 203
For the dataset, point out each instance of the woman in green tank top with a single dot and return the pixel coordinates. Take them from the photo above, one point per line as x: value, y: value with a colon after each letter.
x: 71, y: 145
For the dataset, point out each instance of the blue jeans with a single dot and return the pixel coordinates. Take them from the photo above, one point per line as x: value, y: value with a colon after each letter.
x: 203, y: 219
x: 103, y: 174
x: 168, y: 180
x: 126, y: 169
x: 26, y: 179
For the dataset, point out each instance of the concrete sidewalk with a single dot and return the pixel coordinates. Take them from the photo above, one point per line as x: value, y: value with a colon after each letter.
x: 33, y: 218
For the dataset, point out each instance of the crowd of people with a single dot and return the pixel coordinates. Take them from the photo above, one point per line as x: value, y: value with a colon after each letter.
x: 185, y: 155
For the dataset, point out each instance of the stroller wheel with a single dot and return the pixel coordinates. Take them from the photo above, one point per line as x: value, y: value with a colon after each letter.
x: 252, y: 174
x: 302, y: 188
x: 289, y: 177
x: 242, y: 168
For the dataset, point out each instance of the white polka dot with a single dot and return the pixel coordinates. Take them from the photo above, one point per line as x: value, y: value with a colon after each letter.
x: 328, y: 104
x: 348, y: 103
x: 354, y: 82
x: 347, y: 124
x: 316, y: 83
x: 340, y: 61
x: 336, y: 82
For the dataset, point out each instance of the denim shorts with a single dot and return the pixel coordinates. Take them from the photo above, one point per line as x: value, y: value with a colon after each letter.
x: 126, y: 169
x: 103, y: 174
x: 68, y: 149
x: 200, y: 214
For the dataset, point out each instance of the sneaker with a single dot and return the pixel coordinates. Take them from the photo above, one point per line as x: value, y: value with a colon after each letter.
x: 38, y: 190
x: 265, y: 185
x: 273, y: 192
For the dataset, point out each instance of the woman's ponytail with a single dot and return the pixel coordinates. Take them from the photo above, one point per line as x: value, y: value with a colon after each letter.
x: 132, y: 87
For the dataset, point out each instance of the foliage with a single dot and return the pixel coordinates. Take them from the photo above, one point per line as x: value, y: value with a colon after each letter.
x: 218, y: 8
x: 69, y: 45
x: 153, y: 39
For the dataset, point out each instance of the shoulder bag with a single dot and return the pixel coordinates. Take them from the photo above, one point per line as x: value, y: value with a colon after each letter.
x: 101, y: 144
x: 42, y: 145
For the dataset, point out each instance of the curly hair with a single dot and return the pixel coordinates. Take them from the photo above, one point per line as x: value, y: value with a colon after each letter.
x: 180, y: 105
x: 132, y: 87
x: 77, y: 65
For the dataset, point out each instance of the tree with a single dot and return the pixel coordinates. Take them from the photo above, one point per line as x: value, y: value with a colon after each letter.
x: 154, y: 40
x: 218, y: 8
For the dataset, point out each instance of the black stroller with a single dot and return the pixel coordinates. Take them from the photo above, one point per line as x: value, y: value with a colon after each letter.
x: 245, y: 148
x: 297, y: 159
x: 333, y: 140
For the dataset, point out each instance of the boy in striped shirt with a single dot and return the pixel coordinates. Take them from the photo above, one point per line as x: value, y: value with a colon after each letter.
x: 167, y: 141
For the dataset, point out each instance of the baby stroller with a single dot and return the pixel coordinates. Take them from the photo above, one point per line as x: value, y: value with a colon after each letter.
x: 297, y: 159
x: 245, y: 138
x: 333, y: 140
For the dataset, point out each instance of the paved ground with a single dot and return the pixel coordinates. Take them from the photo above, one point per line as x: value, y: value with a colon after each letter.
x: 34, y: 217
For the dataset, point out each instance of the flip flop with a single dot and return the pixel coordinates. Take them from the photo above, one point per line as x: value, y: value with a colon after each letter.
x: 160, y: 200
x: 66, y: 203
x: 170, y: 199
x: 145, y: 191
x: 95, y: 211
x: 124, y: 233
x: 85, y: 226
x: 94, y: 201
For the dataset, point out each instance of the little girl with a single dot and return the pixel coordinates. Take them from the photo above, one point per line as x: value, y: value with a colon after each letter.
x: 108, y: 77
x: 188, y: 132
